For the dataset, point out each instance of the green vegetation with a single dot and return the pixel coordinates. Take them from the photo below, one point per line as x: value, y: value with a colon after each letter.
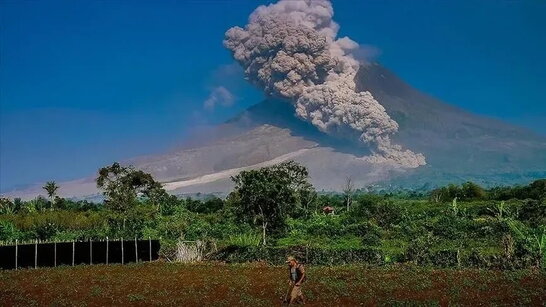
x: 51, y: 188
x: 269, y: 195
x: 274, y: 211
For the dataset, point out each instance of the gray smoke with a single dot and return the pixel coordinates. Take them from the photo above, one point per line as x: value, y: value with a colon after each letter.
x: 290, y: 50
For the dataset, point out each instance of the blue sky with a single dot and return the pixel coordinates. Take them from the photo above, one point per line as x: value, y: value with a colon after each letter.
x: 86, y: 83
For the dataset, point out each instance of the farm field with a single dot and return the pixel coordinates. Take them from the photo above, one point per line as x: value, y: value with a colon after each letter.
x: 214, y: 284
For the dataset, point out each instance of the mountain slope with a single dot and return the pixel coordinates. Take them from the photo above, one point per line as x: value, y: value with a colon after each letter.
x: 458, y: 146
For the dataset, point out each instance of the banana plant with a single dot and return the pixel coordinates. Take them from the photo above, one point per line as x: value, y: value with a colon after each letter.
x: 533, y: 238
x: 499, y: 210
x: 454, y: 206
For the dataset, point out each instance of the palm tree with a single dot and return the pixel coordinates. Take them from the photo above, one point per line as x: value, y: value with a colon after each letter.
x: 51, y: 188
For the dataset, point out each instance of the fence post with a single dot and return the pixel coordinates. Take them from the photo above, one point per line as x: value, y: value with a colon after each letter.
x: 90, y: 251
x: 36, y: 254
x: 150, y: 245
x: 73, y: 251
x: 55, y: 253
x: 106, y: 250
x: 16, y: 253
x: 136, y: 251
x: 122, y: 254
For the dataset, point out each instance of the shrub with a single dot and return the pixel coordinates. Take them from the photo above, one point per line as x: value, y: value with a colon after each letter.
x: 450, y: 226
x: 324, y: 225
x: 533, y: 212
x: 420, y: 247
x: 244, y: 240
x: 8, y: 231
x: 369, y: 233
x: 316, y: 256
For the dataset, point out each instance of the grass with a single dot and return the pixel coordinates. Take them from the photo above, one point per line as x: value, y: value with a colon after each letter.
x: 244, y: 239
x: 261, y: 285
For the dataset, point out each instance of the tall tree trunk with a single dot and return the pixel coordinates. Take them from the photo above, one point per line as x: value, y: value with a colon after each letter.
x: 264, y: 227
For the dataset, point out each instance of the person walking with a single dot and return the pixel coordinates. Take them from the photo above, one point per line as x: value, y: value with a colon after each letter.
x: 296, y: 272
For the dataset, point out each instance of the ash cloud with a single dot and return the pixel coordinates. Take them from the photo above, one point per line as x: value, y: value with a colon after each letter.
x: 290, y: 49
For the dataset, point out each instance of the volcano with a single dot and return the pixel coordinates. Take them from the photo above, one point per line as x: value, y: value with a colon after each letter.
x: 459, y: 146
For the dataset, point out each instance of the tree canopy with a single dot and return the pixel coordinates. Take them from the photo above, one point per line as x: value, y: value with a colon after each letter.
x: 51, y: 188
x: 266, y: 196
x: 123, y: 185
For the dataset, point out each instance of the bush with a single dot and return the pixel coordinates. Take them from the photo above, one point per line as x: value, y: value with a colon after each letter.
x: 324, y: 225
x: 244, y: 240
x: 533, y: 212
x: 450, y: 226
x: 369, y: 233
x: 419, y: 248
x: 211, y: 205
x: 8, y: 231
x: 315, y: 256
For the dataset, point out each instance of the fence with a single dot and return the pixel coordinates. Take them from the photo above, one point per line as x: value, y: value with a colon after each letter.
x: 52, y: 254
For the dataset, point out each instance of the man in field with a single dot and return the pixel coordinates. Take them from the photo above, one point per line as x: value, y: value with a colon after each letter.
x: 296, y: 278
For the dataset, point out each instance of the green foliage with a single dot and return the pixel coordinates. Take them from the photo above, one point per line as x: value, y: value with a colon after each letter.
x: 454, y: 226
x: 8, y: 231
x: 536, y: 190
x: 533, y: 211
x: 7, y: 206
x: 420, y: 246
x: 123, y: 185
x: 210, y: 205
x: 268, y: 195
x: 531, y: 238
x: 244, y: 240
x: 51, y: 188
x: 467, y: 191
x: 470, y: 190
x: 305, y: 254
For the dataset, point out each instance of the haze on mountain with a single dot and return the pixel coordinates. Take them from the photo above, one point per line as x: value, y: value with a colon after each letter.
x: 459, y: 147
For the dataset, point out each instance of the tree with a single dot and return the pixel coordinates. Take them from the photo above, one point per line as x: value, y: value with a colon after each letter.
x: 307, y: 198
x: 470, y: 190
x: 266, y: 196
x: 537, y: 189
x: 348, y: 192
x: 467, y: 191
x: 51, y: 188
x: 123, y: 185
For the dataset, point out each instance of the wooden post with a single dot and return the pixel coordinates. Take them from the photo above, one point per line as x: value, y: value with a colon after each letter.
x: 16, y: 253
x: 90, y: 251
x: 36, y: 254
x: 55, y: 253
x: 136, y: 251
x: 73, y: 251
x: 122, y: 255
x: 150, y: 245
x: 106, y: 250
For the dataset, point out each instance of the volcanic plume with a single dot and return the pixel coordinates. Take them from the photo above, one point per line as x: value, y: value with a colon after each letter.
x: 290, y: 49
